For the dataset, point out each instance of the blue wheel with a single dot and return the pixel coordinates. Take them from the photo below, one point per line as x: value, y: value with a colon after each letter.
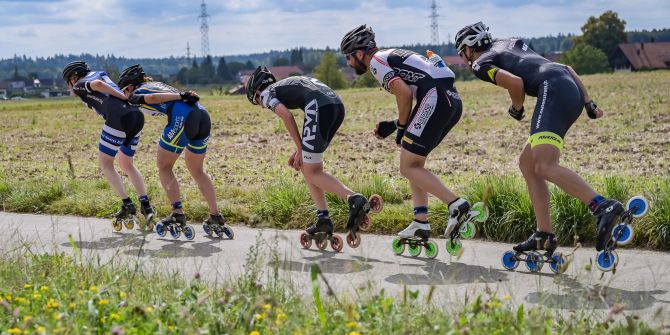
x: 624, y: 233
x: 606, y: 261
x: 509, y: 260
x: 229, y: 232
x: 175, y: 232
x: 160, y: 230
x: 557, y: 266
x: 534, y: 261
x: 189, y: 233
x: 641, y: 203
x: 207, y: 229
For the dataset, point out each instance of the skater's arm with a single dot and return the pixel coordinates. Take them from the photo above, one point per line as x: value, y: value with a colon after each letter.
x: 158, y: 98
x: 102, y: 87
x: 291, y: 126
x: 403, y: 97
x: 597, y: 112
x: 514, y: 86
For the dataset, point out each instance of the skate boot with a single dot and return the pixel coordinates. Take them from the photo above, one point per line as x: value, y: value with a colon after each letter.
x: 458, y: 214
x: 416, y: 235
x: 175, y: 224
x: 358, y: 210
x: 322, y: 232
x: 125, y: 217
x: 149, y: 214
x: 217, y: 224
x: 527, y: 252
x: 608, y: 214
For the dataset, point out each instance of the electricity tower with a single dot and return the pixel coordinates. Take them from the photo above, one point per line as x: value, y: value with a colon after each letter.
x: 434, y: 31
x: 204, y: 29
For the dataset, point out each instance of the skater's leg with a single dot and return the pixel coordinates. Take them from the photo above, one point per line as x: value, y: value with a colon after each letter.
x: 318, y: 196
x: 127, y: 164
x: 165, y: 161
x: 195, y: 165
x: 419, y: 199
x: 107, y: 166
x: 412, y: 168
x: 315, y: 176
x: 546, y: 163
x: 538, y: 190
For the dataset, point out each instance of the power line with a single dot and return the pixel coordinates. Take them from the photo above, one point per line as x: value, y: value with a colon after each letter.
x: 204, y: 29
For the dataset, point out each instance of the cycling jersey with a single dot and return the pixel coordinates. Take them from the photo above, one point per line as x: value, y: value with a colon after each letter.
x: 123, y: 122
x: 560, y: 100
x: 414, y: 69
x: 324, y: 111
x: 188, y: 125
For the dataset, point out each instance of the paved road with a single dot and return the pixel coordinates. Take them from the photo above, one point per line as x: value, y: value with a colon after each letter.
x: 641, y: 283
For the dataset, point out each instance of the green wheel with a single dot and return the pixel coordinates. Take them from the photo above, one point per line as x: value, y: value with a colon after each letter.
x: 431, y: 249
x: 468, y: 230
x: 453, y: 247
x: 398, y: 246
x: 414, y: 250
x: 482, y: 210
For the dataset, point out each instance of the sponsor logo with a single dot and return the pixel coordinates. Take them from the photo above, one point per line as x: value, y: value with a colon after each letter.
x: 544, y: 99
x: 475, y: 66
x: 425, y: 111
x: 374, y: 70
x: 94, y: 98
x: 178, y: 124
x: 609, y: 209
x: 387, y: 78
x: 311, y: 122
x: 454, y: 95
x: 409, y: 76
x: 492, y: 73
x: 524, y: 47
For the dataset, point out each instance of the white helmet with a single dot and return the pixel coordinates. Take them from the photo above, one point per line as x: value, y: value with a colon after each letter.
x: 473, y: 35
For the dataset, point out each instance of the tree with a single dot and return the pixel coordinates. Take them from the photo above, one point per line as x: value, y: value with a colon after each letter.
x: 585, y: 59
x: 235, y: 68
x: 281, y: 62
x: 207, y: 71
x: 604, y: 32
x: 328, y: 72
x: 296, y: 57
x: 249, y: 65
x: 222, y: 71
x: 366, y: 80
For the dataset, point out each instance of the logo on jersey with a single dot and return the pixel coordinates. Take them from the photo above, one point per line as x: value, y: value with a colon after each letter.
x: 409, y: 76
x: 423, y: 114
x: 475, y: 66
x: 492, y: 73
x: 311, y: 122
x: 374, y: 70
x: 544, y: 99
x: 387, y: 79
x: 453, y: 95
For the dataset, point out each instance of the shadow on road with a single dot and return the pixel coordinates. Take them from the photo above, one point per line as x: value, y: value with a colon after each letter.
x: 327, y: 263
x: 439, y: 273
x: 179, y: 248
x: 118, y: 240
x: 581, y: 296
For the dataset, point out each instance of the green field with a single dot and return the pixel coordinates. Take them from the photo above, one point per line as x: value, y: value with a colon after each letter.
x: 48, y: 160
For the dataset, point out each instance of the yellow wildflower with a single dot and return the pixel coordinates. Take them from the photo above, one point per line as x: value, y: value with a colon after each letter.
x: 507, y: 297
x: 57, y: 316
x: 122, y: 295
x: 103, y: 302
x: 52, y: 303
x: 71, y: 305
x: 354, y: 333
x: 41, y: 330
x: 261, y: 316
x: 36, y: 296
x: 93, y: 289
x: 171, y: 328
x: 281, y: 316
x: 27, y: 287
x: 27, y: 318
x: 8, y: 296
x: 267, y: 307
x: 44, y: 288
x: 115, y: 317
x: 14, y: 331
x: 149, y: 309
x: 352, y: 324
x: 254, y: 332
x: 21, y: 300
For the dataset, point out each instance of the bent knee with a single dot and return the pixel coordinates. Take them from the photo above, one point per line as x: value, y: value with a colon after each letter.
x: 544, y: 169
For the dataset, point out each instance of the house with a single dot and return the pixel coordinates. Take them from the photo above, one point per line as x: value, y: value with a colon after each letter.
x: 280, y: 72
x: 640, y: 56
x: 454, y: 61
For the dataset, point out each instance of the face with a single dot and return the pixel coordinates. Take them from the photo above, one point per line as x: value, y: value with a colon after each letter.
x: 257, y: 98
x: 355, y: 61
x: 128, y: 90
x: 71, y: 81
x: 466, y: 55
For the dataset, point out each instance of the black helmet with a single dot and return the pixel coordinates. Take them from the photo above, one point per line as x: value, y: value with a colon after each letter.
x: 359, y: 38
x: 259, y: 80
x: 475, y: 35
x: 79, y: 68
x: 132, y: 75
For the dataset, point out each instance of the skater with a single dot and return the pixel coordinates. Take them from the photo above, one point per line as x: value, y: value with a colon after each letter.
x: 419, y: 129
x: 121, y: 132
x: 510, y: 64
x: 324, y: 113
x: 188, y: 126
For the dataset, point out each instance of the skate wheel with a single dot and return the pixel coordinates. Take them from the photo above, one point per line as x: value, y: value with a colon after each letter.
x: 365, y: 224
x: 623, y: 233
x: 160, y: 230
x: 509, y: 260
x: 130, y: 223
x: 207, y: 229
x: 558, y: 263
x: 353, y: 239
x: 431, y: 250
x: 150, y: 226
x: 336, y: 243
x: 468, y: 230
x: 482, y: 212
x: 174, y: 232
x: 305, y: 241
x: 397, y: 246
x: 376, y: 203
x: 638, y: 205
x: 606, y: 261
x: 321, y: 242
x: 116, y: 224
x: 414, y: 249
x: 534, y: 261
x: 453, y: 247
x: 228, y: 232
x: 189, y: 233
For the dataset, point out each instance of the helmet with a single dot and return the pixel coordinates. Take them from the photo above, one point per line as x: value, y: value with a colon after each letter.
x: 259, y: 80
x: 79, y: 68
x: 473, y: 35
x: 132, y: 75
x: 359, y: 38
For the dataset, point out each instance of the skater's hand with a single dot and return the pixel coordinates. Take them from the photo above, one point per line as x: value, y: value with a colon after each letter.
x: 592, y: 110
x: 189, y: 97
x: 399, y: 134
x: 295, y: 161
x: 517, y: 114
x: 385, y: 128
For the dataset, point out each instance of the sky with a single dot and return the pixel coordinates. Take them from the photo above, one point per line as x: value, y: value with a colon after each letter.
x: 161, y: 28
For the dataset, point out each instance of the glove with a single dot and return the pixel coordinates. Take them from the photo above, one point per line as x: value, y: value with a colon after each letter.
x: 516, y: 114
x: 386, y: 128
x: 591, y: 109
x: 189, y: 97
x: 400, y: 133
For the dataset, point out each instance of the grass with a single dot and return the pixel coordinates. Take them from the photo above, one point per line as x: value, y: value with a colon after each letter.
x: 59, y: 294
x: 48, y: 161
